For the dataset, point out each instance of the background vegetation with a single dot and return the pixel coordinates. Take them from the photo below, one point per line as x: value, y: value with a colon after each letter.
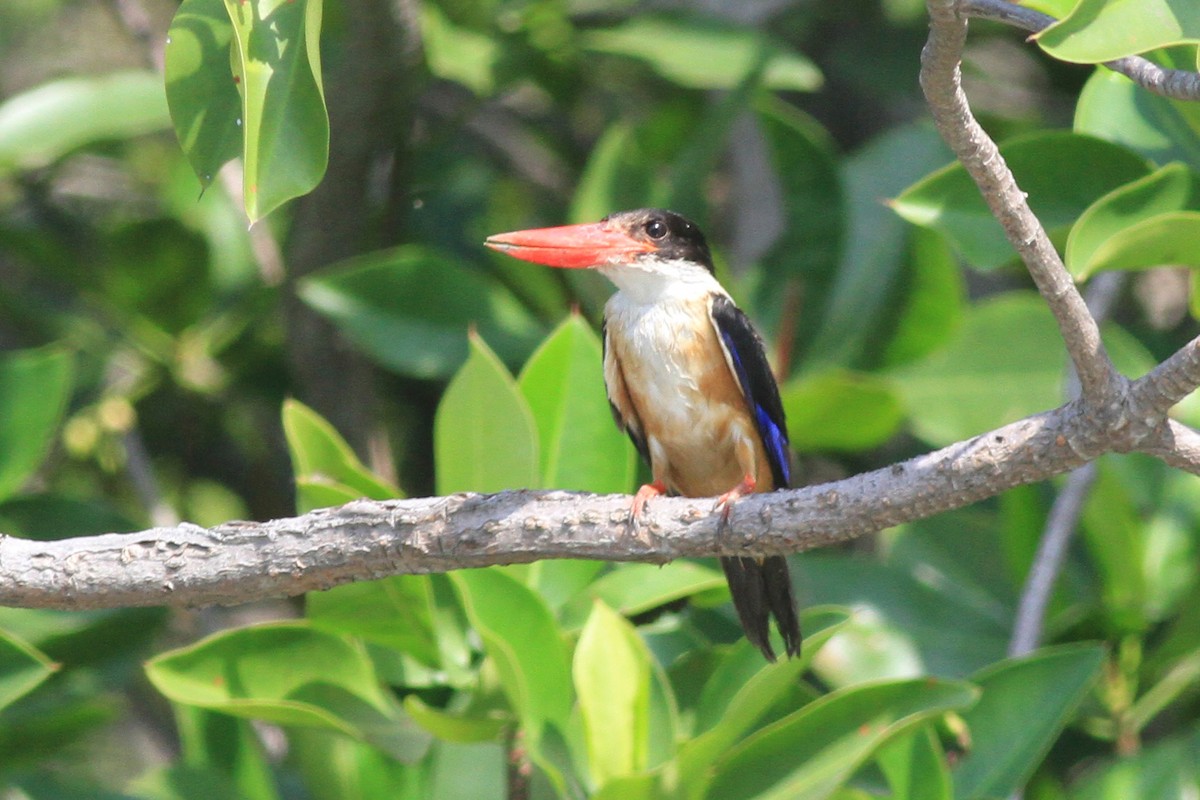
x: 161, y: 361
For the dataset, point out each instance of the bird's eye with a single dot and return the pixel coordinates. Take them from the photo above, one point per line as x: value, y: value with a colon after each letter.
x: 656, y: 229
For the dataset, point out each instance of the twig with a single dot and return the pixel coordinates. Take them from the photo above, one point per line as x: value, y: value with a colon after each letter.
x: 1177, y: 84
x: 1047, y: 563
x: 941, y: 82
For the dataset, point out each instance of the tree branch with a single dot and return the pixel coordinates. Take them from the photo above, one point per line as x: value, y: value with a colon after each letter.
x: 942, y: 84
x: 241, y: 561
x: 1177, y: 84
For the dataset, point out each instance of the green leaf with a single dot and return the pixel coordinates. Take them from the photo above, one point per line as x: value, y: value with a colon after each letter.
x: 1101, y: 237
x: 840, y: 410
x: 803, y: 260
x: 934, y: 303
x: 873, y: 259
x: 1114, y: 108
x: 43, y: 124
x: 321, y: 456
x: 813, y: 751
x: 484, y: 438
x: 742, y: 689
x: 290, y: 674
x: 456, y: 727
x: 409, y: 308
x: 580, y: 447
x: 277, y: 65
x: 633, y: 589
x: 459, y: 54
x: 519, y: 634
x: 230, y: 751
x: 1167, y: 240
x: 34, y: 388
x: 334, y: 767
x: 1103, y: 30
x: 1165, y: 768
x: 460, y: 771
x: 1025, y: 703
x: 1114, y: 531
x: 915, y: 766
x: 700, y: 55
x: 393, y: 612
x: 204, y: 100
x: 22, y: 668
x: 1006, y: 362
x: 611, y: 671
x: 1062, y: 174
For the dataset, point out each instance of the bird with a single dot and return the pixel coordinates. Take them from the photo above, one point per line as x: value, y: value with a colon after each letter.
x: 688, y: 380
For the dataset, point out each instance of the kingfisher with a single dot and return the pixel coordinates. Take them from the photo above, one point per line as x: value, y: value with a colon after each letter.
x: 688, y: 380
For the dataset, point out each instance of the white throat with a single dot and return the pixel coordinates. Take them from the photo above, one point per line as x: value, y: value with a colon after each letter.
x: 651, y: 281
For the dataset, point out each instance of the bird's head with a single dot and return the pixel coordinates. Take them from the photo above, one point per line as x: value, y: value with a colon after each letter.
x: 649, y: 243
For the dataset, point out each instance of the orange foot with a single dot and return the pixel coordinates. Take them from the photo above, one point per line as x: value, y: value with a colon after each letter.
x: 725, y: 502
x: 642, y: 497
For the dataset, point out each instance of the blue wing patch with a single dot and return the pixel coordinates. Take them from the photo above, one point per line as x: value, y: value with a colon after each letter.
x: 749, y: 360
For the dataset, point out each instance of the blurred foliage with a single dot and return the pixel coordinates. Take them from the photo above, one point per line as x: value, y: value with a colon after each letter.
x: 151, y: 362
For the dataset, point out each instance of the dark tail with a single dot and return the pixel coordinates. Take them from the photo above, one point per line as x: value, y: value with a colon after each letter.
x: 761, y: 587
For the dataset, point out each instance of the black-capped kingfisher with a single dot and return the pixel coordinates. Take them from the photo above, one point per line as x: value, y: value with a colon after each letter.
x: 687, y: 379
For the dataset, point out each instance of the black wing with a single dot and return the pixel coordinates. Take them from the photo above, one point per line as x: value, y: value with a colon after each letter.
x: 745, y: 352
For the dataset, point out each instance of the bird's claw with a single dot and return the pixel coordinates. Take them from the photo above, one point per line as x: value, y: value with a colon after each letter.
x: 725, y: 502
x: 638, y: 507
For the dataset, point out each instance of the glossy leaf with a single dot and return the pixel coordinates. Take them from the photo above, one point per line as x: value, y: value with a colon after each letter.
x: 393, y: 612
x: 475, y: 771
x: 611, y: 671
x: 203, y: 97
x: 47, y: 122
x: 455, y: 727
x: 484, y: 437
x: 335, y: 767
x: 1062, y: 174
x: 563, y: 383
x: 22, y: 668
x: 803, y: 259
x: 1006, y: 362
x: 34, y: 388
x: 290, y: 674
x: 520, y: 636
x: 915, y: 766
x: 873, y: 259
x: 1112, y: 107
x: 741, y: 687
x: 741, y: 690
x: 813, y: 751
x: 409, y: 308
x: 934, y: 303
x: 699, y: 55
x: 633, y: 589
x: 1167, y: 768
x: 229, y: 750
x: 456, y: 53
x: 276, y: 62
x: 1166, y: 240
x: 1024, y: 704
x: 840, y: 410
x: 321, y: 456
x: 1103, y: 30
x: 1144, y: 209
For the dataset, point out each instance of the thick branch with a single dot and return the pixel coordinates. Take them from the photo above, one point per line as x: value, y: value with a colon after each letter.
x: 941, y: 82
x: 242, y: 561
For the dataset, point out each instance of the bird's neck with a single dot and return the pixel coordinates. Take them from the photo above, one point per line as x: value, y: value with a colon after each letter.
x: 660, y: 282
